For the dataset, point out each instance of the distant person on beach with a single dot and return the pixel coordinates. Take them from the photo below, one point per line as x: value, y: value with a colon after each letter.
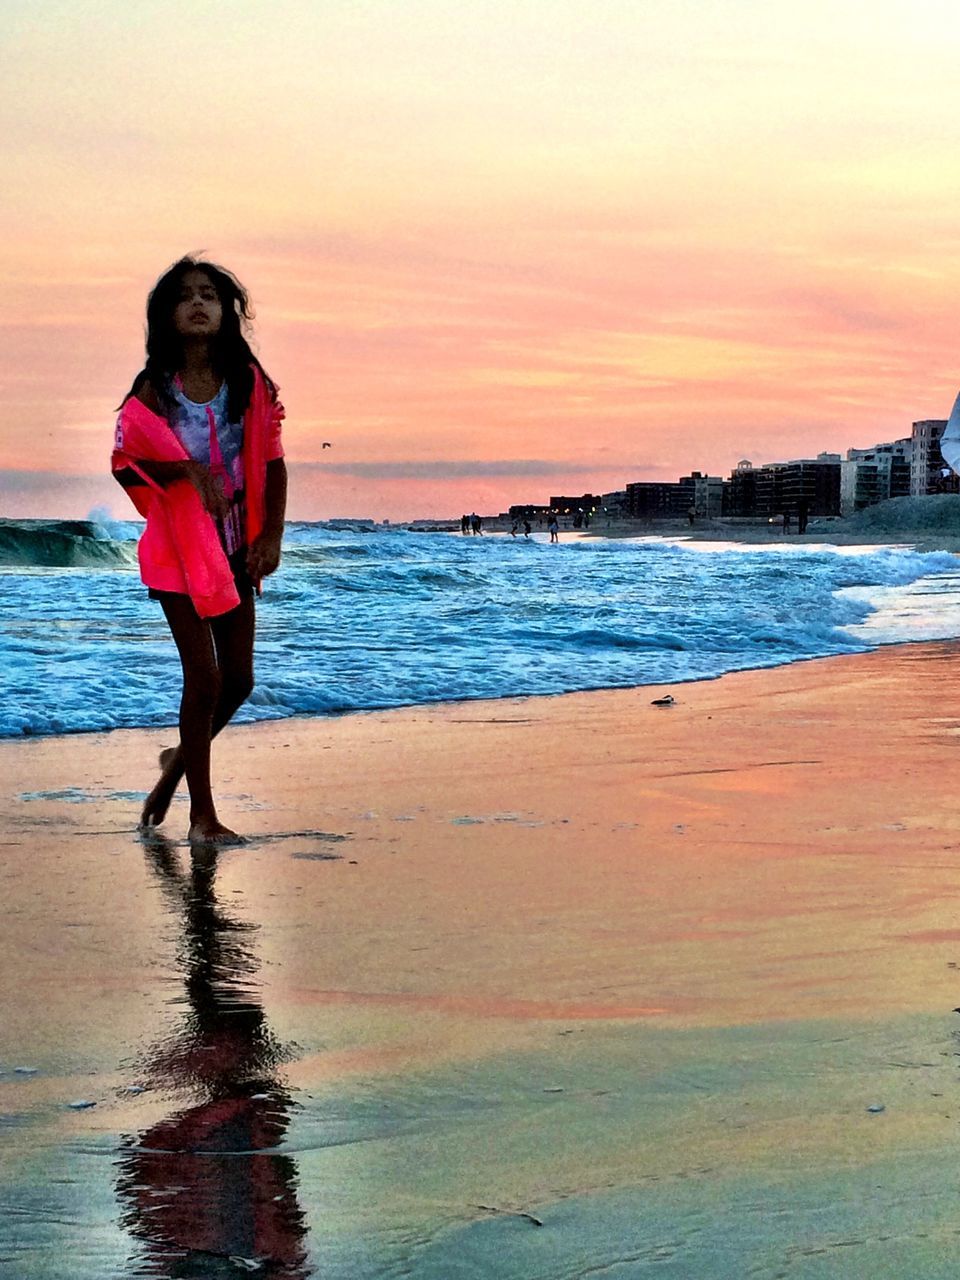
x: 476, y: 524
x: 554, y: 527
x: 526, y: 528
x: 786, y: 522
x: 691, y: 514
x: 198, y: 450
x: 464, y: 524
x: 803, y: 511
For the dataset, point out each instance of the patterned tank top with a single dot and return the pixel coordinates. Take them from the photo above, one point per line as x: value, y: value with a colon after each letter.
x: 209, y: 437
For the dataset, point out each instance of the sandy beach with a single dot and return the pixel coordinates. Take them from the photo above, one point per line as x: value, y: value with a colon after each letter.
x: 538, y: 988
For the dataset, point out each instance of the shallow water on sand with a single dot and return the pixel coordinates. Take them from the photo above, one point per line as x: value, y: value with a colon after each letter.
x: 258, y: 1114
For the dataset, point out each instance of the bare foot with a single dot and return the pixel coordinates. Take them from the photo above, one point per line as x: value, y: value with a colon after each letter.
x: 157, y: 843
x: 158, y: 801
x: 207, y: 831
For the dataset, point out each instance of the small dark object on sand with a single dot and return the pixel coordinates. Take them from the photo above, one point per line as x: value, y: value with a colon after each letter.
x: 668, y: 700
x: 513, y: 1213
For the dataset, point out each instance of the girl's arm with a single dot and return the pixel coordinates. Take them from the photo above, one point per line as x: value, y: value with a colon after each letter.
x: 164, y: 473
x: 168, y: 473
x: 263, y: 557
x: 275, y: 498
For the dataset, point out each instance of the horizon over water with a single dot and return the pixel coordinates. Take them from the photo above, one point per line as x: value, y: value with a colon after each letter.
x: 365, y: 620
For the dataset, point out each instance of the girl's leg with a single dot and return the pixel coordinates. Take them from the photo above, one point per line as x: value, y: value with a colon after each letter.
x: 217, y: 661
x: 233, y: 636
x: 198, y: 702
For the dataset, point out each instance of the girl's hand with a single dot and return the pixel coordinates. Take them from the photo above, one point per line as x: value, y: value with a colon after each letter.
x: 210, y: 489
x: 263, y: 556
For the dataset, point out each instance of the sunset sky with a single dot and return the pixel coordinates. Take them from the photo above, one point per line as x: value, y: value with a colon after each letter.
x: 498, y: 250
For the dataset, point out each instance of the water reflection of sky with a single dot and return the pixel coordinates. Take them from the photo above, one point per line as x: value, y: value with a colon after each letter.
x: 207, y: 1191
x: 753, y: 548
x: 928, y: 609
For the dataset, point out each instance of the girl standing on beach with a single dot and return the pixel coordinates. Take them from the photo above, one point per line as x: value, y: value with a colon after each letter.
x: 198, y: 450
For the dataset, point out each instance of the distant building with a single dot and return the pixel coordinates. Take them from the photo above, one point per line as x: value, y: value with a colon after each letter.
x: 707, y: 494
x: 615, y: 503
x: 740, y: 491
x: 529, y: 511
x: 653, y: 500
x: 868, y: 476
x: 565, y: 506
x: 812, y: 482
x: 825, y: 485
x: 927, y: 465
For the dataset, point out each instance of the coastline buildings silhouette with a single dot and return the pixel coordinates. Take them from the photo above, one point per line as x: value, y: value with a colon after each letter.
x: 826, y: 485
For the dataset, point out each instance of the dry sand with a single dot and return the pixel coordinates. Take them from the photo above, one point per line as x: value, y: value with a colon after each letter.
x: 634, y: 974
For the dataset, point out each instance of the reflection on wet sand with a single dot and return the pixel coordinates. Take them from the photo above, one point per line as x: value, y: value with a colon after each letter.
x: 205, y: 1189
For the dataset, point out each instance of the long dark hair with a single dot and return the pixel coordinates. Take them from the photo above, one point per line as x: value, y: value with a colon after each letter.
x: 230, y: 351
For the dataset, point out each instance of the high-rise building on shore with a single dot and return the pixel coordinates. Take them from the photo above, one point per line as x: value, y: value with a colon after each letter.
x: 614, y: 504
x: 564, y: 504
x: 740, y: 491
x: 868, y: 476
x: 928, y: 471
x: 810, y: 484
x: 659, y: 501
x: 707, y: 494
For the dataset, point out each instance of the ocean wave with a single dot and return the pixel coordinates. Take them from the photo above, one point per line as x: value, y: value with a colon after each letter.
x: 63, y: 544
x: 601, y: 638
x: 363, y: 620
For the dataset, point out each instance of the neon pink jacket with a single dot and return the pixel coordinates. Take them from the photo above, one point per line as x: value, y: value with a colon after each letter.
x: 180, y: 548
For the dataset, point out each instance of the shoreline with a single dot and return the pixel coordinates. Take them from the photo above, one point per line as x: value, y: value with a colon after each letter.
x: 322, y: 717
x: 832, y: 535
x: 924, y: 540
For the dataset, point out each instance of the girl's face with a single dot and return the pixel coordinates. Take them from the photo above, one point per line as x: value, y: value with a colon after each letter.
x: 198, y: 314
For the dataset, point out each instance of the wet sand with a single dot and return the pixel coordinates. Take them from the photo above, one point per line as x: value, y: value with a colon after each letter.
x: 528, y: 989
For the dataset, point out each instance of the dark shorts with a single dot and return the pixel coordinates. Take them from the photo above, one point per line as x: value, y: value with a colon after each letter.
x: 238, y: 563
